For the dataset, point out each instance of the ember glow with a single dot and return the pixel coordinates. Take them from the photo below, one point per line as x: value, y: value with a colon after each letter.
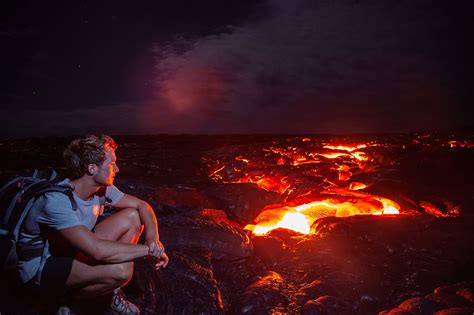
x: 313, y: 178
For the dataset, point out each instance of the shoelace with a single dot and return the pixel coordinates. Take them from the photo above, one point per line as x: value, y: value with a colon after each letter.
x: 121, y: 305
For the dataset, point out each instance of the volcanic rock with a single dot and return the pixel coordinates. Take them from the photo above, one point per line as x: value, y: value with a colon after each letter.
x: 367, y: 305
x: 420, y: 305
x: 464, y: 289
x: 243, y: 202
x: 447, y: 299
x: 184, y: 199
x: 456, y: 311
x: 224, y: 241
x: 330, y: 225
x: 466, y: 293
x: 328, y: 305
x: 314, y: 290
x: 263, y: 295
x: 269, y: 248
x: 185, y: 287
x: 395, y: 311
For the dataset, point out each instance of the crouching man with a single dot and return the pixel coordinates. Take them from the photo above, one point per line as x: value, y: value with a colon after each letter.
x: 85, y: 259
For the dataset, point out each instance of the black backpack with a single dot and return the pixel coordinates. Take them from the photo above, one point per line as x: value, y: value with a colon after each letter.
x: 18, y: 197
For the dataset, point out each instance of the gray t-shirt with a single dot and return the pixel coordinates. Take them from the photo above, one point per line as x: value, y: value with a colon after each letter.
x: 57, y: 214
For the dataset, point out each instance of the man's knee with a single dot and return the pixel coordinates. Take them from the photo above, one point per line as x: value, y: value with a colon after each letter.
x: 120, y: 274
x: 133, y: 218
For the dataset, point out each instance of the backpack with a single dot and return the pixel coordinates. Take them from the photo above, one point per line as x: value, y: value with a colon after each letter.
x: 18, y: 197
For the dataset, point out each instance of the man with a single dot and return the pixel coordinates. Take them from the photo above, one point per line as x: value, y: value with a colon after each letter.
x: 85, y: 259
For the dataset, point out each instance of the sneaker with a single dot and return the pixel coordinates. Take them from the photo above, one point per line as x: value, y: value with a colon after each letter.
x: 121, y: 305
x: 65, y: 310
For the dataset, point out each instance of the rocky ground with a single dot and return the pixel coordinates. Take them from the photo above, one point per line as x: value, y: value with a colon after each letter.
x: 418, y: 262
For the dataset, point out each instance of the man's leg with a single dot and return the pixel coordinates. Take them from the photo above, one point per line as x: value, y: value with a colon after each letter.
x: 90, y: 279
x: 123, y: 226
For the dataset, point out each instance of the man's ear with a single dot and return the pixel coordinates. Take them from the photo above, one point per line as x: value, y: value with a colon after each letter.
x: 92, y: 169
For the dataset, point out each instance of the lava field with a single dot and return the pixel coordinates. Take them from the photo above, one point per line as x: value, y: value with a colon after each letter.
x: 314, y: 224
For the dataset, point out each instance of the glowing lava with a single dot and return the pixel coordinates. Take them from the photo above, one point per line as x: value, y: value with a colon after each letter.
x: 345, y: 147
x: 290, y: 170
x: 295, y: 221
x: 300, y: 218
x: 357, y: 186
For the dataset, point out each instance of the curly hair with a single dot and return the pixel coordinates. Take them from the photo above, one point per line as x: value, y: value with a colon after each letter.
x: 86, y: 150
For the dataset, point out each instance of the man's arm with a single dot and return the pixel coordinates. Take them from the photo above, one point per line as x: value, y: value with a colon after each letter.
x: 103, y: 250
x: 147, y: 215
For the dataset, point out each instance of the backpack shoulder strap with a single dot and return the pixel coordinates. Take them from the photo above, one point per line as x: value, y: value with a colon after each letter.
x: 50, y: 188
x: 102, y: 197
x: 67, y: 190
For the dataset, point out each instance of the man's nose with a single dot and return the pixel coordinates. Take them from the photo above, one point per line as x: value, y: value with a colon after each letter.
x: 116, y: 168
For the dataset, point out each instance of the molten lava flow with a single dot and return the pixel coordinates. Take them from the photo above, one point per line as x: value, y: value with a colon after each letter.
x: 302, y: 161
x: 345, y: 148
x: 332, y: 155
x: 291, y: 220
x: 460, y: 144
x: 360, y: 156
x: 215, y: 173
x: 241, y: 158
x: 291, y: 171
x: 357, y: 186
x: 269, y: 183
x: 299, y: 218
x: 389, y: 207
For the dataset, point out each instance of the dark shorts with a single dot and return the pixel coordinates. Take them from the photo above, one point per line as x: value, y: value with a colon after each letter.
x: 55, y: 273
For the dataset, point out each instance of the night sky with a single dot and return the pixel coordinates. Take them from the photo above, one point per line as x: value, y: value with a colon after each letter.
x: 220, y: 67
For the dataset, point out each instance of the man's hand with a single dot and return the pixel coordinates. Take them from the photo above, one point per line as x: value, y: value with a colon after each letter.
x: 155, y: 248
x: 162, y: 261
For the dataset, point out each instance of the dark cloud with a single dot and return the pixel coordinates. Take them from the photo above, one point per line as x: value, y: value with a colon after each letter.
x: 320, y: 66
x: 236, y: 67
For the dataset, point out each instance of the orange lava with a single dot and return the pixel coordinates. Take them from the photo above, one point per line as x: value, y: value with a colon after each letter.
x: 300, y: 218
x: 345, y: 147
x: 269, y: 183
x: 460, y: 144
x: 241, y: 158
x: 357, y: 186
x: 282, y: 170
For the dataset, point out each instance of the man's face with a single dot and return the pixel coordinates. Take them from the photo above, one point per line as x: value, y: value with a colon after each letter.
x: 107, y: 171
